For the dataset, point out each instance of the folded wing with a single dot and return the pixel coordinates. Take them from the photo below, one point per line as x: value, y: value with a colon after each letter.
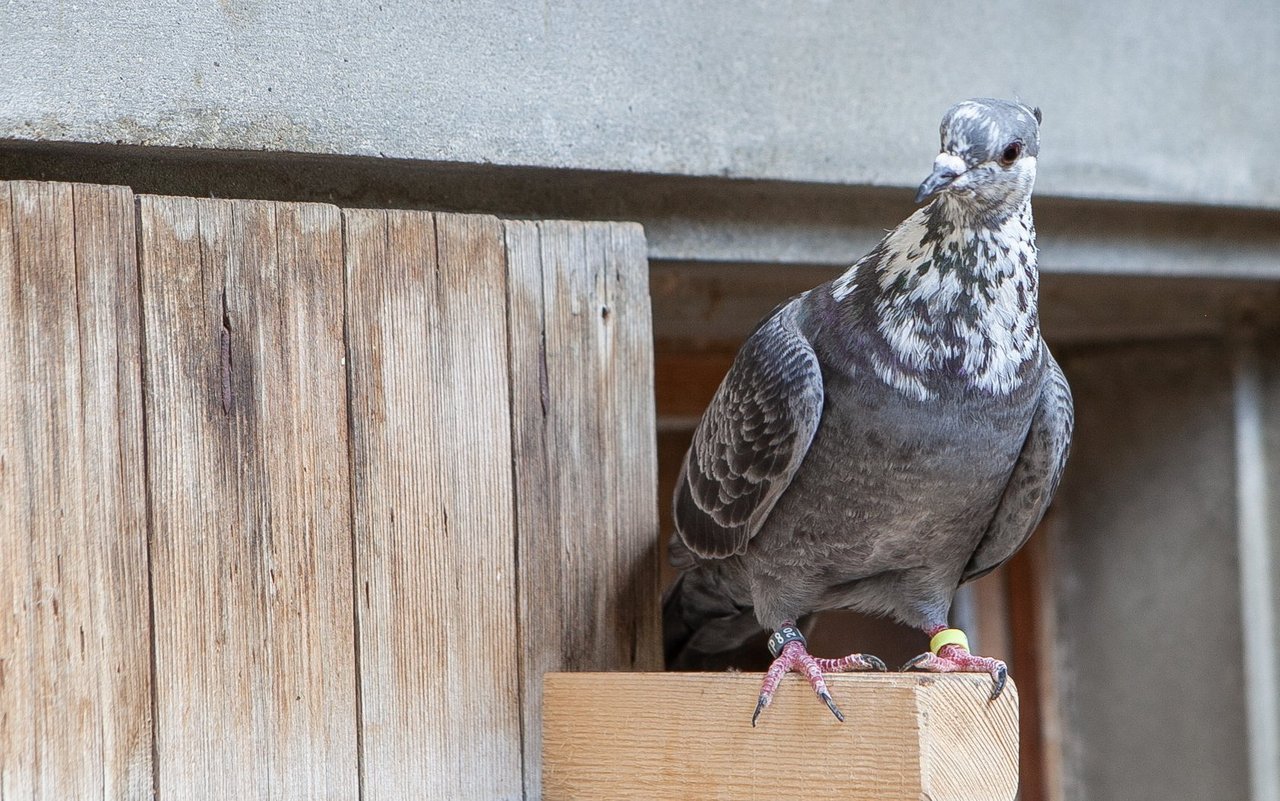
x: 751, y: 440
x: 1034, y: 479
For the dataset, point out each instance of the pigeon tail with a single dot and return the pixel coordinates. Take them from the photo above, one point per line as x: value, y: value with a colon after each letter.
x: 702, y: 625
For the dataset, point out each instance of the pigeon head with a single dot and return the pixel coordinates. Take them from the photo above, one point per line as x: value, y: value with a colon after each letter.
x: 988, y: 158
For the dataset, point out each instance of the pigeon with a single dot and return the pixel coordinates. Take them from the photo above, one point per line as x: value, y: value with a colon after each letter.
x: 885, y: 437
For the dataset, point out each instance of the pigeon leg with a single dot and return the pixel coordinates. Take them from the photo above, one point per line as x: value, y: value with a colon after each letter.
x: 949, y: 653
x: 787, y: 645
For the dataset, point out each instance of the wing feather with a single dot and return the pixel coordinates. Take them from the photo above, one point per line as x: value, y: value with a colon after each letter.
x: 752, y: 438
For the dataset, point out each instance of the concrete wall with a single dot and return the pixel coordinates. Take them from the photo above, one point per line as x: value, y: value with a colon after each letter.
x: 1155, y: 100
x: 1150, y: 651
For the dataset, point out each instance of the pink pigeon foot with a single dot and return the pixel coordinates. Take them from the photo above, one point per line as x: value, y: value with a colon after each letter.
x: 790, y: 656
x: 954, y: 657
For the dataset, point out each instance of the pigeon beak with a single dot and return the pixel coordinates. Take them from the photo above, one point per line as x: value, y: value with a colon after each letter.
x: 946, y: 168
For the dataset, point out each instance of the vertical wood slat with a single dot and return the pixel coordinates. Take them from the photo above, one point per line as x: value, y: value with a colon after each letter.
x: 249, y: 489
x: 431, y: 457
x: 585, y: 457
x: 636, y: 564
x: 74, y: 678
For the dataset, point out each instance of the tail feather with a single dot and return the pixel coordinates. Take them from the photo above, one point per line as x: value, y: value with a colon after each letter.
x: 701, y: 625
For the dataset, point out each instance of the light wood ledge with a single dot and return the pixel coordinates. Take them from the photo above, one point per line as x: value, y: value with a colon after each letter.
x: 688, y: 735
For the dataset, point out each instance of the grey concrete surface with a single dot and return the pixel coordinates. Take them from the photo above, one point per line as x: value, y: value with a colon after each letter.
x: 685, y: 218
x: 1168, y: 101
x: 1257, y: 379
x: 1150, y: 658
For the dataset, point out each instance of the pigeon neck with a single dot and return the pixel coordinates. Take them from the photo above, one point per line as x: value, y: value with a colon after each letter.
x: 945, y: 260
x: 945, y: 296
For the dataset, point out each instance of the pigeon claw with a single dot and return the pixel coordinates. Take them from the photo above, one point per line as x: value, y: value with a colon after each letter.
x: 760, y: 705
x: 1001, y: 675
x: 795, y: 659
x: 831, y: 704
x: 914, y: 662
x: 954, y: 659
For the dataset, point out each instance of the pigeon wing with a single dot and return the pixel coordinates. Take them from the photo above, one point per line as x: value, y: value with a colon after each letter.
x: 1034, y: 479
x: 751, y: 439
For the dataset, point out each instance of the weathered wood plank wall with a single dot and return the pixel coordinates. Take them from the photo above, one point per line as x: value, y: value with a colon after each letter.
x: 397, y: 464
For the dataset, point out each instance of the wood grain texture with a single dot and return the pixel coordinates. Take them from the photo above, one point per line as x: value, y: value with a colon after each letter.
x: 644, y: 736
x: 276, y: 592
x: 74, y: 678
x: 431, y: 454
x: 585, y: 460
x: 250, y: 503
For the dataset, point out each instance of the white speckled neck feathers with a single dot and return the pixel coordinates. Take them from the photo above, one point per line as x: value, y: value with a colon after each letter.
x: 947, y: 296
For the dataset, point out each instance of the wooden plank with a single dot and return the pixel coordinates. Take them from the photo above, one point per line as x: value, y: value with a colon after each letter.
x: 74, y: 676
x: 585, y: 461
x: 431, y: 455
x: 17, y: 660
x: 114, y: 477
x: 906, y: 736
x: 247, y: 433
x: 631, y: 408
x: 1032, y: 616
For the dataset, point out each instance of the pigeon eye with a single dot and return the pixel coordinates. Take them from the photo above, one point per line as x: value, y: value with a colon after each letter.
x: 1011, y: 153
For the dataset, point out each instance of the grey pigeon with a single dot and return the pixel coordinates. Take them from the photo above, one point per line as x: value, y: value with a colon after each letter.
x: 884, y: 437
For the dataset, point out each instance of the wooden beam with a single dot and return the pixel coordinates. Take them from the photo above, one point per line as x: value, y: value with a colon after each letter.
x: 663, y: 735
x: 1029, y: 611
